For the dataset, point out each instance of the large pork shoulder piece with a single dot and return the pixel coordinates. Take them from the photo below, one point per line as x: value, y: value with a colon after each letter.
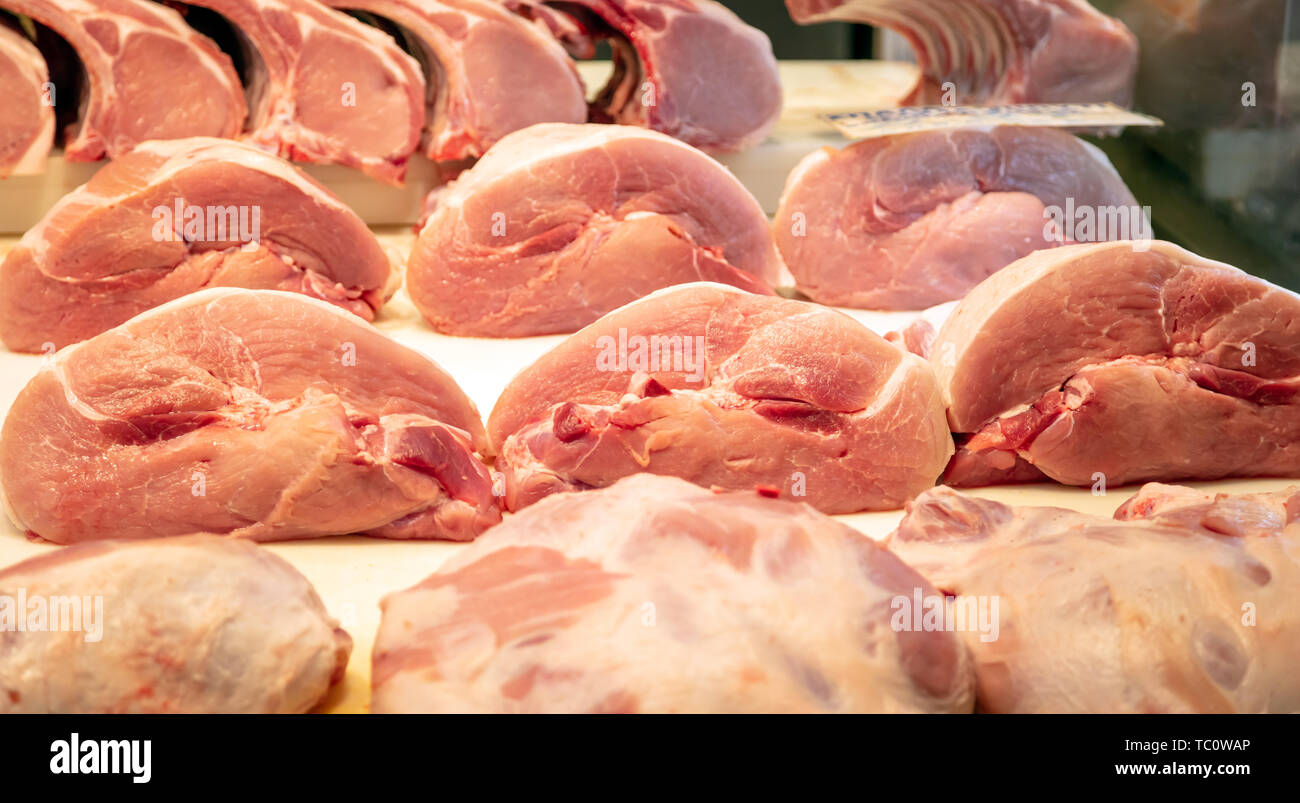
x: 991, y: 52
x: 149, y: 75
x: 193, y: 625
x: 655, y: 596
x: 1188, y: 603
x: 326, y: 88
x: 26, y: 95
x: 689, y: 68
x: 914, y: 220
x: 559, y: 224
x: 491, y: 72
x: 729, y: 389
x: 1110, y: 363
x: 176, y: 216
x: 251, y: 413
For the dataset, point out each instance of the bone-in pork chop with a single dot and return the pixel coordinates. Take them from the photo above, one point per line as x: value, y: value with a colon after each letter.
x: 689, y: 68
x: 27, y: 130
x: 991, y: 52
x: 326, y: 88
x: 149, y: 75
x: 494, y: 72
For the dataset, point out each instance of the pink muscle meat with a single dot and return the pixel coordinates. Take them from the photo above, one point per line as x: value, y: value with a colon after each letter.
x: 655, y: 596
x: 994, y: 52
x: 1112, y: 362
x: 149, y: 75
x: 249, y: 413
x: 489, y: 72
x: 176, y: 216
x: 327, y: 88
x: 27, y: 129
x: 559, y: 224
x: 725, y: 389
x: 689, y: 68
x: 914, y: 220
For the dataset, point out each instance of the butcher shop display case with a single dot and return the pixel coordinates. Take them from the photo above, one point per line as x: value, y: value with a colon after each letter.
x: 653, y: 356
x: 1222, y: 175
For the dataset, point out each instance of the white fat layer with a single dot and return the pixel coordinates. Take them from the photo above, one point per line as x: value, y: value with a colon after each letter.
x: 523, y: 149
x: 182, y: 154
x: 893, y: 386
x: 81, y: 11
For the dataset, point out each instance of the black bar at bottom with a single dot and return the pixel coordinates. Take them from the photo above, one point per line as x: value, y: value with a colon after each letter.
x: 489, y: 754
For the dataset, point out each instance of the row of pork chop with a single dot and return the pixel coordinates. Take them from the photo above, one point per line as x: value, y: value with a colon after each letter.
x: 657, y: 596
x: 318, y: 85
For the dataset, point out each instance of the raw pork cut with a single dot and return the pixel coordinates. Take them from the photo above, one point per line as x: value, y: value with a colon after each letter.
x: 654, y: 596
x: 1104, y: 616
x: 689, y: 68
x: 118, y: 245
x: 150, y: 76
x: 559, y: 224
x: 1099, y: 362
x: 326, y: 88
x: 913, y: 220
x: 1218, y: 513
x: 27, y: 130
x: 726, y: 389
x: 490, y: 72
x: 249, y: 413
x: 1000, y: 51
x: 196, y: 625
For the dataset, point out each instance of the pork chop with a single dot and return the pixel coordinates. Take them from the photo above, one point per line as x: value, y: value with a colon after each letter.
x: 175, y: 216
x: 992, y: 52
x: 559, y: 224
x: 689, y: 68
x: 150, y: 76
x: 727, y: 389
x: 1131, y: 616
x: 249, y: 413
x: 327, y: 88
x: 193, y: 625
x: 490, y: 72
x: 1100, y: 362
x: 27, y: 129
x: 654, y: 596
x: 913, y: 220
